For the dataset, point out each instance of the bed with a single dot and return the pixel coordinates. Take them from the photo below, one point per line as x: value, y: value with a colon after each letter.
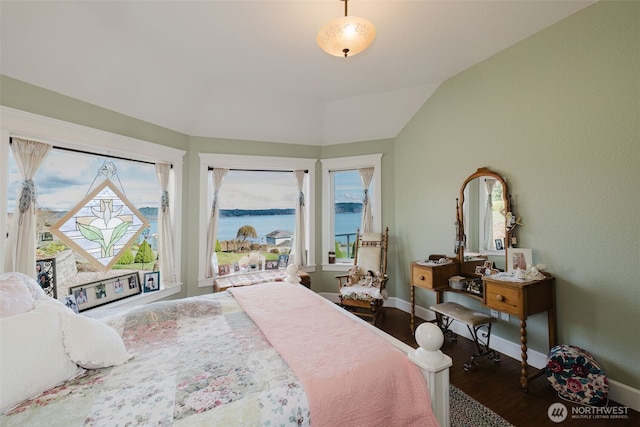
x: 239, y: 357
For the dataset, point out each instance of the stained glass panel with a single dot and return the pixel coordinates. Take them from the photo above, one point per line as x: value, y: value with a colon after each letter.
x: 101, y: 226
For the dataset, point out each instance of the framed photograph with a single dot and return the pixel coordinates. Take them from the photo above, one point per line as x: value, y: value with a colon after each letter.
x: 224, y: 269
x: 480, y: 270
x: 519, y: 258
x: 236, y: 267
x: 271, y: 264
x: 151, y: 281
x: 499, y: 245
x: 283, y: 261
x: 101, y: 292
x: 70, y: 302
x: 46, y: 276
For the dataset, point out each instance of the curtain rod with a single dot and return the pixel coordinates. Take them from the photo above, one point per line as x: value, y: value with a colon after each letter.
x: 75, y: 150
x: 258, y: 170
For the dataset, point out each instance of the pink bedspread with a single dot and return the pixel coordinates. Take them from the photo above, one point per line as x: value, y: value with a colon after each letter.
x: 352, y: 377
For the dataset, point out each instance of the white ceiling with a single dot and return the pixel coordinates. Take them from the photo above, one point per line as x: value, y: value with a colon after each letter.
x: 252, y: 69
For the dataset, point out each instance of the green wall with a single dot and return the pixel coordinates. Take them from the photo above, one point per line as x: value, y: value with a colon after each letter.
x: 559, y: 116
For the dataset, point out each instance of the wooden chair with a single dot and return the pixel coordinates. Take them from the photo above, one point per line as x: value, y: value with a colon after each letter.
x: 364, y: 285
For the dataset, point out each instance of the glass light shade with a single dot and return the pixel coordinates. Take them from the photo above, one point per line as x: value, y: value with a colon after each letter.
x: 346, y: 36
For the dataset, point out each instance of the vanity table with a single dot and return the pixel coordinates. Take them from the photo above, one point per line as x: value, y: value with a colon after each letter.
x: 516, y: 297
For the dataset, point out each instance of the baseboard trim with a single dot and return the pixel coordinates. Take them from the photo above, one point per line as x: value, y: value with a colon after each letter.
x: 618, y: 392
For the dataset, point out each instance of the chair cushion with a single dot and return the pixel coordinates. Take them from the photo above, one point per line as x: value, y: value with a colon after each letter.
x: 576, y: 375
x: 360, y: 292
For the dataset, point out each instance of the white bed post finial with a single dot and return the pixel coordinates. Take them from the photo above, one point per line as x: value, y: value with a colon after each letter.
x: 434, y: 365
x: 430, y: 338
x: 292, y: 274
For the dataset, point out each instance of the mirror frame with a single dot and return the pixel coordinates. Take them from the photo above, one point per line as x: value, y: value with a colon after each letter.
x: 506, y: 197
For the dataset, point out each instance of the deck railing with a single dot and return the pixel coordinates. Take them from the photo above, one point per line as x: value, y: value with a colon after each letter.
x: 344, y: 241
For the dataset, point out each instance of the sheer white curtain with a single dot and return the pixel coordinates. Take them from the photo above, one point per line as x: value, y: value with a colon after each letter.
x: 299, y: 243
x: 165, y: 229
x: 488, y: 215
x: 216, y: 175
x: 366, y: 226
x: 21, y: 245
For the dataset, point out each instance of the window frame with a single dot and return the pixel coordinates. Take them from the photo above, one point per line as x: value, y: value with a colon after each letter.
x: 328, y: 200
x: 21, y: 124
x: 239, y: 161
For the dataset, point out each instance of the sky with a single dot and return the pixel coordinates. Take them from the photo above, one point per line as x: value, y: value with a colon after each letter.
x: 278, y: 190
x: 65, y: 178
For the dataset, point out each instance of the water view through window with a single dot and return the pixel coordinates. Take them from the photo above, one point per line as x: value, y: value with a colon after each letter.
x: 257, y: 214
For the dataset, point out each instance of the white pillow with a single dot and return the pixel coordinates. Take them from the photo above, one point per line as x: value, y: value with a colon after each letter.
x: 91, y: 343
x: 32, y: 356
x: 29, y: 282
x: 15, y: 297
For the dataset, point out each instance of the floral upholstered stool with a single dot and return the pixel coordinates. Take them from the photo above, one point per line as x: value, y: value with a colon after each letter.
x: 576, y: 376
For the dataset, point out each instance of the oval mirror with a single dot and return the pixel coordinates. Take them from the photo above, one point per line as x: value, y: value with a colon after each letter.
x: 480, y: 223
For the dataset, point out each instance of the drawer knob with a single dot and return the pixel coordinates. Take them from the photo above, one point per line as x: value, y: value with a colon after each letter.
x: 499, y: 297
x: 421, y: 277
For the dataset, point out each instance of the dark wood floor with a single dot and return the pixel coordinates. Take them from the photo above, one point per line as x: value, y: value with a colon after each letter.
x: 497, y: 386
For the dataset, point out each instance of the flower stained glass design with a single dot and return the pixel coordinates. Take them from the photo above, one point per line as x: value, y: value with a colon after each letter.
x: 101, y: 226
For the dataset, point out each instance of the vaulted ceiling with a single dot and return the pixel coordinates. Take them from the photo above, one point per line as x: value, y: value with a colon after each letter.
x: 252, y: 69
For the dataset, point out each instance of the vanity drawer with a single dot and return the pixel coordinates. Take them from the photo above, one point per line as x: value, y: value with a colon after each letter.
x: 503, y: 298
x: 433, y: 277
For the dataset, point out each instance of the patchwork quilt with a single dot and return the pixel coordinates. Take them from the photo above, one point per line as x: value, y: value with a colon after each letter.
x: 197, y: 361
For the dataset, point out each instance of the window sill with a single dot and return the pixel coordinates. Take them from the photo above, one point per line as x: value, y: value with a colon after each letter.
x: 342, y: 266
x: 208, y: 282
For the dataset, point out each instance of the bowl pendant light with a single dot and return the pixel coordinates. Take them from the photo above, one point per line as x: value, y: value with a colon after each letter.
x: 347, y: 35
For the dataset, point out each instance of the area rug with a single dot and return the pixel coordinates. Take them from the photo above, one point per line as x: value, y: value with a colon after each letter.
x: 468, y: 412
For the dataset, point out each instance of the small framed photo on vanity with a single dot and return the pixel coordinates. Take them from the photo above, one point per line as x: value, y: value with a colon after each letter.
x: 518, y: 258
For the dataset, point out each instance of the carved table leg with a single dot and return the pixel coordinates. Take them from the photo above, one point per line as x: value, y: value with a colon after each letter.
x: 413, y: 307
x: 524, y: 381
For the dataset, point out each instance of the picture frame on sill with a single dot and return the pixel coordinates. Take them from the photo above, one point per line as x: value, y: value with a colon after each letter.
x: 224, y: 269
x: 101, y: 292
x: 519, y: 258
x: 283, y: 261
x: 46, y: 276
x: 499, y: 245
x: 271, y: 264
x: 151, y: 281
x: 70, y: 302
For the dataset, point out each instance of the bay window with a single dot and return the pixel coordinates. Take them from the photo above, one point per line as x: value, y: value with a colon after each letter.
x: 256, y: 202
x: 81, y: 166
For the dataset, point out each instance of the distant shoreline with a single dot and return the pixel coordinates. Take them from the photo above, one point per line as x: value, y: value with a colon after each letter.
x: 340, y: 208
x: 151, y: 214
